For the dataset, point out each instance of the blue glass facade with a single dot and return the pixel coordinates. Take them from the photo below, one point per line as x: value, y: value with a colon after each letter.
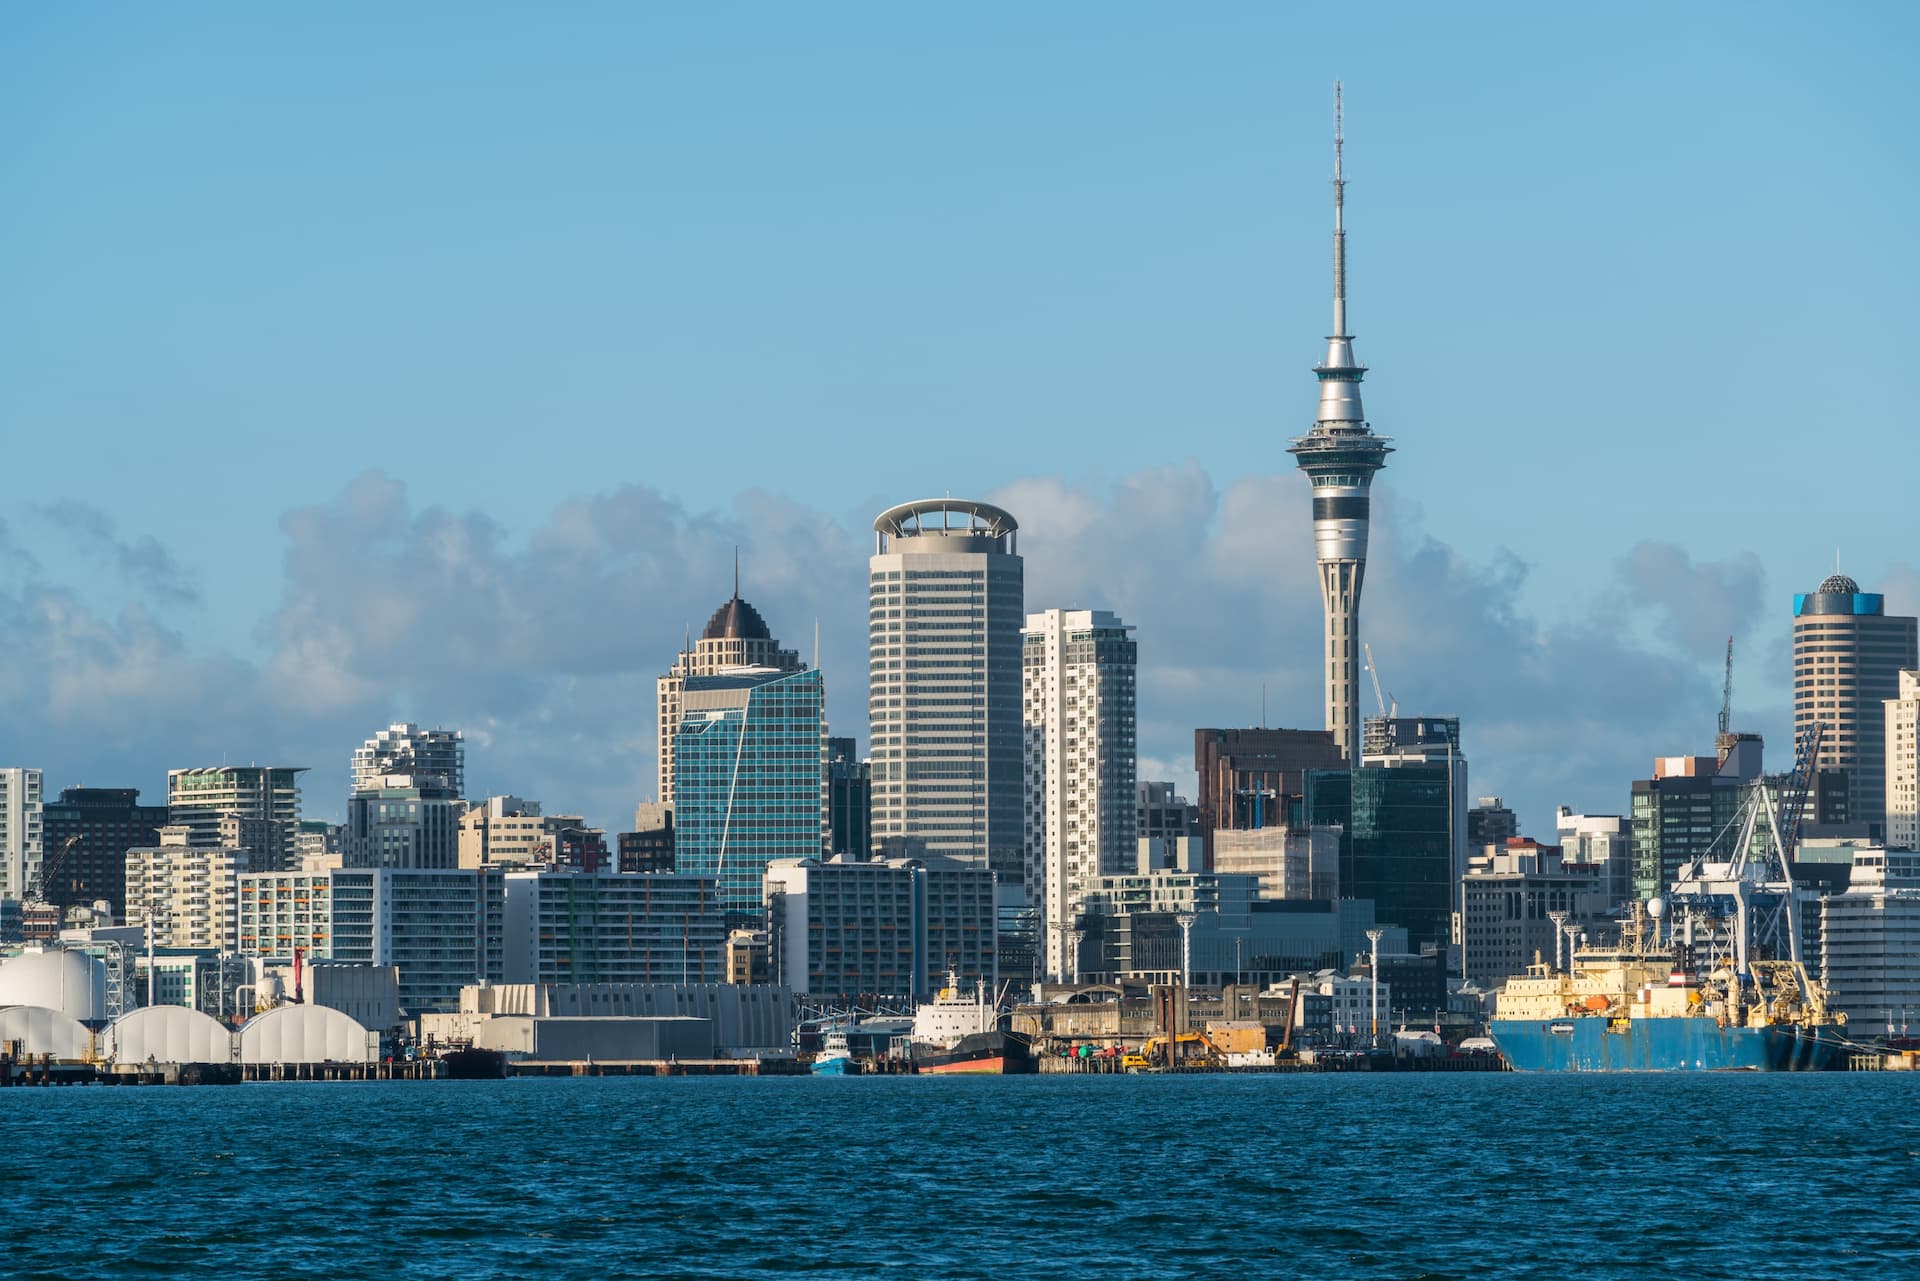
x: 750, y: 780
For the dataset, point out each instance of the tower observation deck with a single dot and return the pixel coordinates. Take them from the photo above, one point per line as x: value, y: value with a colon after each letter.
x: 1340, y: 455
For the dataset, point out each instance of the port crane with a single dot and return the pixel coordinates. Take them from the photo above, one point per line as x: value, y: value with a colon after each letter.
x: 1753, y: 892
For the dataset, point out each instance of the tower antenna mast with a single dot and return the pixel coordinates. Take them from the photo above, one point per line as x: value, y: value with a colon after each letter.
x: 1339, y: 216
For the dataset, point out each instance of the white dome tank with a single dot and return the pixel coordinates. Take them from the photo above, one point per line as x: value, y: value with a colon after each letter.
x: 58, y: 979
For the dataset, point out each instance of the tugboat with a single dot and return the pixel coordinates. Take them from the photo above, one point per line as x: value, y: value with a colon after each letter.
x: 834, y: 1059
x: 955, y: 1034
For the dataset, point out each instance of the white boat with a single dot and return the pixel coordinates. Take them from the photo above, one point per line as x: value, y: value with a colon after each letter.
x: 834, y: 1058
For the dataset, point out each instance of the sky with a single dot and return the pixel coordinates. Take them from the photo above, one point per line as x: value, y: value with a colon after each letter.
x: 364, y: 363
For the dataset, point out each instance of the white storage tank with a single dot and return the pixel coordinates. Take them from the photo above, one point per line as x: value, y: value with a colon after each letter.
x: 57, y: 979
x: 306, y: 1034
x: 169, y: 1034
x: 41, y: 1032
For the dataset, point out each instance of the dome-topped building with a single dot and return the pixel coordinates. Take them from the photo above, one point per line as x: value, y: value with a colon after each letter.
x: 736, y: 636
x: 1848, y: 653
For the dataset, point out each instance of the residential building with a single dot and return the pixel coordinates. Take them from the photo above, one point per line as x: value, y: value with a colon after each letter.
x: 1903, y: 764
x: 1078, y: 712
x: 1340, y: 456
x: 281, y: 913
x: 21, y: 829
x: 430, y: 923
x: 504, y: 829
x: 751, y: 783
x: 1870, y: 944
x: 945, y: 604
x: 189, y: 892
x: 849, y: 800
x: 1509, y: 895
x: 433, y: 758
x: 562, y: 926
x: 887, y: 928
x: 87, y: 832
x: 1255, y: 778
x: 198, y: 799
x: 649, y: 847
x: 1848, y: 653
x: 405, y: 826
x: 736, y: 636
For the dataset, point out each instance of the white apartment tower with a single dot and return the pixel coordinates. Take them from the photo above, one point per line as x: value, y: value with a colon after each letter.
x: 1903, y: 765
x: 427, y: 757
x: 736, y: 636
x: 945, y: 601
x: 1082, y: 813
x: 21, y: 802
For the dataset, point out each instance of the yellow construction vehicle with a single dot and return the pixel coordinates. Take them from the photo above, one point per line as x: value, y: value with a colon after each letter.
x: 1188, y: 1049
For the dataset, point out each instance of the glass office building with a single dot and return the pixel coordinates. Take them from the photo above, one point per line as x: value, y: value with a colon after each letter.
x: 750, y: 780
x: 1396, y: 840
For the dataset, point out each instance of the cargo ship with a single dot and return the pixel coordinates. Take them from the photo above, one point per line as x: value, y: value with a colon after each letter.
x: 1641, y: 1006
x: 955, y: 1034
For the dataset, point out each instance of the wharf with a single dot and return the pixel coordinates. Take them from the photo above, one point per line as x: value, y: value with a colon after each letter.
x: 656, y: 1067
x: 32, y: 1072
x: 1056, y: 1065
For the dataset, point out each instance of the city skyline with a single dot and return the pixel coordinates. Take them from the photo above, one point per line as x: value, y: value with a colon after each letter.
x: 533, y: 606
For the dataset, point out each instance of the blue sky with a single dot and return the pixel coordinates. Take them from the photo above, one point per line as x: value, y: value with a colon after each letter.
x: 1625, y: 280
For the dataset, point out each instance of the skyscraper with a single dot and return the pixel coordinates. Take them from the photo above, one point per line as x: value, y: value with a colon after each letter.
x: 945, y: 604
x: 1903, y: 765
x: 736, y: 636
x: 751, y: 780
x: 1340, y: 455
x: 1082, y: 816
x: 20, y: 829
x: 198, y: 799
x: 1847, y: 658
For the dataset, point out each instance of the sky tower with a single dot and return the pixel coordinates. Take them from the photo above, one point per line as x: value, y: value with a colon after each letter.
x: 1340, y: 456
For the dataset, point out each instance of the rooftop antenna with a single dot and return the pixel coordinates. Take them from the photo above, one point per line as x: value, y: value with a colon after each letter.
x: 816, y: 642
x: 1339, y: 217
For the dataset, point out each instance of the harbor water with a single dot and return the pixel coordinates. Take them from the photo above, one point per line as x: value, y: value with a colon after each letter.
x: 1389, y: 1175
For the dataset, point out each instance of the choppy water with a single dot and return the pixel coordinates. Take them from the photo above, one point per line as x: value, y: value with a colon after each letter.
x: 1481, y: 1176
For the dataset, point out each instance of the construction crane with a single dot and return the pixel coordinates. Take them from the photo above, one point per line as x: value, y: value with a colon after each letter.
x: 1726, y: 693
x: 1374, y: 672
x: 43, y: 875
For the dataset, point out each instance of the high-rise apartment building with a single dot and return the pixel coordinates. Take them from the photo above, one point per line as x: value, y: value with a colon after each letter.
x: 197, y: 799
x: 403, y: 827
x: 751, y: 783
x: 736, y: 636
x: 1340, y: 456
x: 1870, y: 944
x: 191, y: 893
x: 426, y: 757
x: 1082, y: 815
x: 571, y: 927
x: 1848, y: 653
x: 89, y: 831
x: 21, y: 831
x: 945, y: 604
x: 1903, y: 764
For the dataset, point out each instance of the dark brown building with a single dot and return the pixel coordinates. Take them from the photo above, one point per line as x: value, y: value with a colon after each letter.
x: 1251, y: 778
x: 103, y: 823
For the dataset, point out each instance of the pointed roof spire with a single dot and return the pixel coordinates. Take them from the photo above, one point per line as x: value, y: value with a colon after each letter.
x: 736, y: 571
